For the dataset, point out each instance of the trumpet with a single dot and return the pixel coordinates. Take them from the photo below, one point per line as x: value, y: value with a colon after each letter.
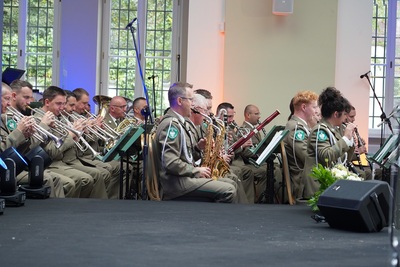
x: 95, y: 130
x: 109, y: 131
x: 41, y: 134
x: 59, y: 127
x: 86, y: 146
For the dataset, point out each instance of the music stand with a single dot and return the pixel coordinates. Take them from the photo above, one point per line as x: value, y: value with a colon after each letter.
x: 137, y: 150
x: 120, y: 149
x: 267, y: 139
x: 274, y: 138
x: 11, y: 74
x: 387, y: 153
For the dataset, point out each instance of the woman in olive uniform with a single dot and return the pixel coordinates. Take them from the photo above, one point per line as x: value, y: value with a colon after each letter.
x: 326, y: 145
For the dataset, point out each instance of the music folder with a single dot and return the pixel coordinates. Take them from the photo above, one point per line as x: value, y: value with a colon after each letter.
x: 123, y: 144
x: 271, y: 141
x: 388, y: 153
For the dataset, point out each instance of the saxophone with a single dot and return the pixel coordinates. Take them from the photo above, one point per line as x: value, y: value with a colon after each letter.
x: 206, y: 160
x: 211, y: 158
x: 219, y: 167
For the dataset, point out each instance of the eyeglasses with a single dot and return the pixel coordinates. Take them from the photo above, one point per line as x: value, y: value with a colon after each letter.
x: 188, y: 98
x: 199, y: 109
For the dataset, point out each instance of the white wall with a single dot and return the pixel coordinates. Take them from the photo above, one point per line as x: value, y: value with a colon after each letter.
x: 206, y: 46
x: 353, y: 56
x: 266, y: 59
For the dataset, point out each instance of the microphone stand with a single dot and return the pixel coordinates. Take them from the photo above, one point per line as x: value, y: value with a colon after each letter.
x: 152, y: 77
x: 383, y: 117
x: 146, y: 111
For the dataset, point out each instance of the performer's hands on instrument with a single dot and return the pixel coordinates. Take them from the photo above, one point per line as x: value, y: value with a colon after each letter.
x: 25, y: 125
x: 79, y: 125
x: 204, y: 172
x: 248, y: 143
x: 48, y: 119
x: 227, y: 158
x: 349, y: 131
x: 360, y: 150
x: 201, y: 144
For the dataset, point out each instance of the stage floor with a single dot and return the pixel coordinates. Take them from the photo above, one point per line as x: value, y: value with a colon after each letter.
x: 89, y: 232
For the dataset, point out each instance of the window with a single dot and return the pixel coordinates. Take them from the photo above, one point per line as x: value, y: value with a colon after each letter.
x: 152, y: 34
x: 30, y: 42
x: 29, y: 46
x: 385, y: 64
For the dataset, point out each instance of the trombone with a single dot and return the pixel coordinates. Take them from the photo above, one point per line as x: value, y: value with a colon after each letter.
x: 42, y: 135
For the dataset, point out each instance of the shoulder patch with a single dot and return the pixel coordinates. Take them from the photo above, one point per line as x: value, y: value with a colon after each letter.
x: 299, y: 135
x: 11, y: 124
x: 172, y: 132
x: 322, y: 136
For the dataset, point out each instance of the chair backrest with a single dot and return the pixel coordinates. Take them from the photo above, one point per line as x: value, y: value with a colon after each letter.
x: 286, y: 174
x: 152, y: 178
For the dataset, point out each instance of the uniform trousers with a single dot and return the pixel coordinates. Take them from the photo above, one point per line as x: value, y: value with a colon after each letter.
x: 246, y: 177
x: 112, y: 182
x: 99, y: 176
x: 214, y: 190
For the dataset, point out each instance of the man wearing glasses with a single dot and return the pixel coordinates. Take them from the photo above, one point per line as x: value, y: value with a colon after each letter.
x: 116, y: 111
x: 179, y: 177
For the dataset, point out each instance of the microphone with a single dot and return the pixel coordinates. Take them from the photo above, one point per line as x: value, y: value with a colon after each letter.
x: 130, y: 24
x: 364, y: 75
x: 152, y: 77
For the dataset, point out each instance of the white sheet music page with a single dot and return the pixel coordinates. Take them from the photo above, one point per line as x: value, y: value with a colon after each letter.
x: 270, y: 146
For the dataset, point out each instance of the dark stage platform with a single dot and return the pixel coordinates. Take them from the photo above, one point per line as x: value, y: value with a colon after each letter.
x: 87, y: 232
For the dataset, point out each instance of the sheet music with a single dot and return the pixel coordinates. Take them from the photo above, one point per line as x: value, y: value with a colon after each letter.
x: 387, y: 147
x: 271, y: 145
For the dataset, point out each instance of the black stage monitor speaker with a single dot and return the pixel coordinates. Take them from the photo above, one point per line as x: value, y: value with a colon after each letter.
x: 356, y: 206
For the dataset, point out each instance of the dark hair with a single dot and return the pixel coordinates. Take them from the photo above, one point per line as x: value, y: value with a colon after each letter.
x: 331, y: 101
x: 136, y: 101
x: 51, y: 92
x: 17, y: 85
x: 291, y: 108
x: 204, y: 93
x: 224, y: 105
x: 79, y: 92
x: 69, y: 94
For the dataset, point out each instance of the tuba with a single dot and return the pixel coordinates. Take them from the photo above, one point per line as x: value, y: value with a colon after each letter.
x: 103, y: 102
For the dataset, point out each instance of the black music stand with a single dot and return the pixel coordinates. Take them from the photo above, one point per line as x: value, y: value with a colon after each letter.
x: 387, y: 153
x: 273, y: 139
x: 138, y: 155
x: 122, y: 148
x: 11, y: 74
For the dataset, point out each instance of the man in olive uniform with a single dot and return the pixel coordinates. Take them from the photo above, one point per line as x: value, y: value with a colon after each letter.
x: 17, y: 134
x: 244, y: 173
x: 179, y: 178
x: 110, y: 171
x: 251, y: 120
x: 305, y: 106
x: 195, y: 122
x: 54, y: 100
